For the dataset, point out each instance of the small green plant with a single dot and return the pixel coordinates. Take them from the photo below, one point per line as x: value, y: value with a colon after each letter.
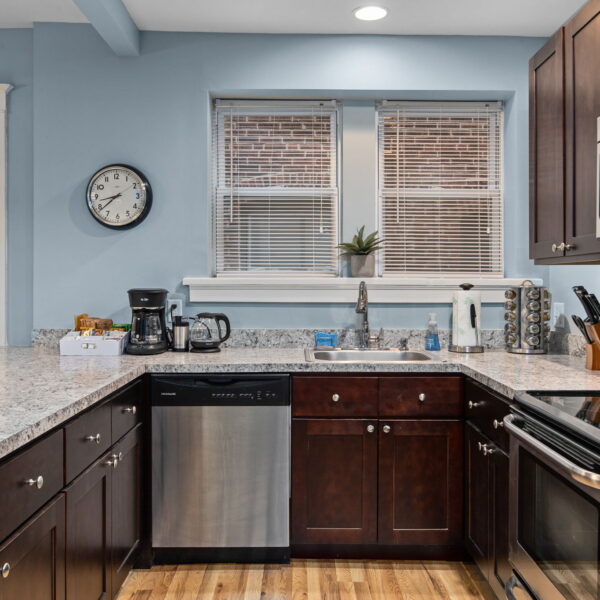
x: 361, y: 245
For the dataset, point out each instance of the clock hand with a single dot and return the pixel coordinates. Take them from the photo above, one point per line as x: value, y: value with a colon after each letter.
x: 109, y: 201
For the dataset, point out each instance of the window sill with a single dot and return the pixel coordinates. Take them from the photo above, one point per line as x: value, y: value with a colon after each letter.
x: 340, y: 290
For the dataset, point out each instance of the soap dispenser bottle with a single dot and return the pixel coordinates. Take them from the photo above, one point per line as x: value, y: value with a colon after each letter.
x: 432, y: 338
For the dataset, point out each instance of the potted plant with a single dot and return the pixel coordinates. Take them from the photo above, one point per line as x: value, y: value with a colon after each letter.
x: 361, y: 251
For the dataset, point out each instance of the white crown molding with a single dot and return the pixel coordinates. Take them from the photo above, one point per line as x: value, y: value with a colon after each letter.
x: 341, y: 290
x: 4, y: 89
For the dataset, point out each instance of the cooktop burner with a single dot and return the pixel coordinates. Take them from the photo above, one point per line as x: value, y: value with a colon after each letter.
x: 576, y: 411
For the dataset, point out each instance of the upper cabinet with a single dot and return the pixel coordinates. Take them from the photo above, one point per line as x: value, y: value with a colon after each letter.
x: 564, y: 108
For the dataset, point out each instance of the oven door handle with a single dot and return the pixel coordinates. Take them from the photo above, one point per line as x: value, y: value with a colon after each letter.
x: 588, y: 478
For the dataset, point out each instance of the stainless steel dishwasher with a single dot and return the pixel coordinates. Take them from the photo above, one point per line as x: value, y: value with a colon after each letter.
x: 220, y: 468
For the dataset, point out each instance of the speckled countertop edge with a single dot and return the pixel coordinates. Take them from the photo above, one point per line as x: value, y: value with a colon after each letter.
x: 40, y: 390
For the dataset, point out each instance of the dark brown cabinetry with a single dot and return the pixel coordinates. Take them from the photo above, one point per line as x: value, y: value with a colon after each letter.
x: 486, y: 479
x: 420, y: 471
x: 33, y: 558
x: 126, y: 506
x: 334, y: 481
x: 564, y: 108
x: 364, y: 478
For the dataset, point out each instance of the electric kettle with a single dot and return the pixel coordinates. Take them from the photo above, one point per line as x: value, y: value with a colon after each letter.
x: 206, y: 333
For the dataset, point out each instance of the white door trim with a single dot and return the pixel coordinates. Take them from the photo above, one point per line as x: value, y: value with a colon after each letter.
x: 4, y: 89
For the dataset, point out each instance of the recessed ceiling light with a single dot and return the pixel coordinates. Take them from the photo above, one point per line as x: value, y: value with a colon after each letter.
x: 370, y: 13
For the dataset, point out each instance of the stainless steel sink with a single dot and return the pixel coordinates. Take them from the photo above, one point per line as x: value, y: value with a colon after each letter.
x: 367, y: 355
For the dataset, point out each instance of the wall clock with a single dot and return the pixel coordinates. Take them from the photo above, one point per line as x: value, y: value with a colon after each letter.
x: 119, y: 196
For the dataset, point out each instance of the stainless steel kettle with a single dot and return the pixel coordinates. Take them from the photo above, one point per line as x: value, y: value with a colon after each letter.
x: 206, y: 332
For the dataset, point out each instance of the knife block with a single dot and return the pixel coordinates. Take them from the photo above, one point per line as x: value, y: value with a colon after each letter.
x: 592, y: 357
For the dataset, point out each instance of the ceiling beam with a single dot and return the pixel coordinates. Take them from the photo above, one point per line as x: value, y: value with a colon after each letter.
x: 114, y: 24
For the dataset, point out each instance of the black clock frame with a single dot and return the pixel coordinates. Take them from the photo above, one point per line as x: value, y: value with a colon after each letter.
x: 147, y: 190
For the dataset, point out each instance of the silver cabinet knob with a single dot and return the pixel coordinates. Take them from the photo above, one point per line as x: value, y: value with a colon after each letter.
x: 335, y: 397
x: 422, y: 397
x: 370, y: 428
x: 94, y: 438
x: 120, y: 456
x: 559, y: 247
x: 480, y: 446
x: 472, y: 404
x: 112, y: 462
x: 130, y: 409
x: 38, y: 482
x: 386, y: 429
x: 488, y: 450
x: 498, y: 424
x: 569, y: 247
x: 5, y: 570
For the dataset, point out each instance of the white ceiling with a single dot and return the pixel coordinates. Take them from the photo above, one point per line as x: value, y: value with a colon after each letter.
x: 417, y: 17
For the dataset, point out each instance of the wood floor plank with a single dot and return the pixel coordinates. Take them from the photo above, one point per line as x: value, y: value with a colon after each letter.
x: 307, y: 580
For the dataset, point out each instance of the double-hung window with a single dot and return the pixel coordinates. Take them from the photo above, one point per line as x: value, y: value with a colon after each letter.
x: 440, y: 188
x: 275, y: 188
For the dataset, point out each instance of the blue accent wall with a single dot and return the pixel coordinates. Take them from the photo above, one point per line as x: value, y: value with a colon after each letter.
x: 16, y: 67
x: 91, y: 108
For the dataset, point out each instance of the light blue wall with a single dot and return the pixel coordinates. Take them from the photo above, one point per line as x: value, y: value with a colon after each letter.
x: 563, y: 278
x: 16, y: 67
x: 92, y: 108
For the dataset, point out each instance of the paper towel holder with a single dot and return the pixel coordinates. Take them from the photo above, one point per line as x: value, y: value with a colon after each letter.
x: 466, y: 311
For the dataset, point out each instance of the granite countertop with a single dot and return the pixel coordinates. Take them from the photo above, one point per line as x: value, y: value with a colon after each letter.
x: 39, y: 389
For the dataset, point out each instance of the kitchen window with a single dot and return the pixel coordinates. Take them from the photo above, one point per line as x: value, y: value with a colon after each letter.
x: 276, y: 188
x: 440, y: 196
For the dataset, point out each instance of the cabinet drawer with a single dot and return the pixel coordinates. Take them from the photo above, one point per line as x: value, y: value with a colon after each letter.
x: 29, y: 480
x: 86, y: 438
x: 486, y: 411
x: 334, y: 397
x: 420, y: 397
x: 126, y: 410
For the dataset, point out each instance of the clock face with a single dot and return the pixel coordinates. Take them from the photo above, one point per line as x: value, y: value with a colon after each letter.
x: 119, y: 196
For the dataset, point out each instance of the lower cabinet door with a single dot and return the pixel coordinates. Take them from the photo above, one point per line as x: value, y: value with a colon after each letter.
x: 477, y: 495
x: 33, y: 558
x: 420, y: 482
x: 334, y: 481
x: 126, y: 506
x: 500, y: 569
x: 89, y: 532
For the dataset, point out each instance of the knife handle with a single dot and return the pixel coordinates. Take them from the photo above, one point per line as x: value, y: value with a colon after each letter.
x: 592, y: 357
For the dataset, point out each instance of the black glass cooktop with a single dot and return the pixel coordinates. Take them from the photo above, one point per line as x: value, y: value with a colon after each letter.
x: 577, y: 411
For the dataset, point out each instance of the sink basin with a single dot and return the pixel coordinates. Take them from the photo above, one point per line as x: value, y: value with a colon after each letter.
x: 367, y: 355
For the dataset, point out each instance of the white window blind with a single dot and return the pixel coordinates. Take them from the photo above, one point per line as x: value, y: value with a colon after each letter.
x: 440, y: 188
x: 276, y: 189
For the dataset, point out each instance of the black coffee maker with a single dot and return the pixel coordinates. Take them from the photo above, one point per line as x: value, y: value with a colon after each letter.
x: 149, y: 334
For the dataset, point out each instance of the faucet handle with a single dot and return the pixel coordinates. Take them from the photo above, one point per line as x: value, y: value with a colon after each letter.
x: 376, y: 341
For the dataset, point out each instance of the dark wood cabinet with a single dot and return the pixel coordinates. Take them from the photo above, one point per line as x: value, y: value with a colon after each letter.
x: 334, y: 481
x: 88, y: 555
x: 126, y: 506
x: 564, y: 109
x: 420, y: 472
x: 33, y: 558
x: 582, y: 86
x: 487, y: 468
x: 547, y: 150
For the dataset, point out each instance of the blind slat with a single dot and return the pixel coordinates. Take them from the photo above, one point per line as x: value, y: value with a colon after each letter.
x: 276, y: 196
x: 440, y: 187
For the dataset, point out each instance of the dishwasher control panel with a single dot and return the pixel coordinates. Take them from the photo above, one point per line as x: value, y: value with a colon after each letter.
x: 206, y: 390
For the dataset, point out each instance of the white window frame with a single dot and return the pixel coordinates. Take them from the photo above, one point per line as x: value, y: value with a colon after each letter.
x: 281, y: 105
x: 455, y: 107
x: 4, y: 89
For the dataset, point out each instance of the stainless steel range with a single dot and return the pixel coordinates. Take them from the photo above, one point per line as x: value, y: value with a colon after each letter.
x: 555, y: 494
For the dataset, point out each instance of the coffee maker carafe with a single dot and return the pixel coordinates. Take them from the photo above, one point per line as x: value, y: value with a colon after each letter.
x: 149, y: 333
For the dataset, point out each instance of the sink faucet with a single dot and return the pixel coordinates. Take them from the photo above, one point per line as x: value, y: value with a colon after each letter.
x: 362, y: 308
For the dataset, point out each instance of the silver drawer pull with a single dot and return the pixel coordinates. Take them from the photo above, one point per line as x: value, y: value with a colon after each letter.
x: 386, y: 429
x: 5, y: 570
x: 472, y: 404
x: 370, y: 428
x: 94, y: 438
x: 498, y: 424
x: 130, y: 409
x: 422, y: 397
x: 335, y: 397
x: 38, y: 482
x: 487, y: 450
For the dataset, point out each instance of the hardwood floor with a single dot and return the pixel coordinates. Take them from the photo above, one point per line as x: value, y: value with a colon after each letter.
x: 308, y: 580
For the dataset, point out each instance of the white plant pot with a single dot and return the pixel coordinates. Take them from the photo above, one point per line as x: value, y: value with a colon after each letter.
x: 362, y: 265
